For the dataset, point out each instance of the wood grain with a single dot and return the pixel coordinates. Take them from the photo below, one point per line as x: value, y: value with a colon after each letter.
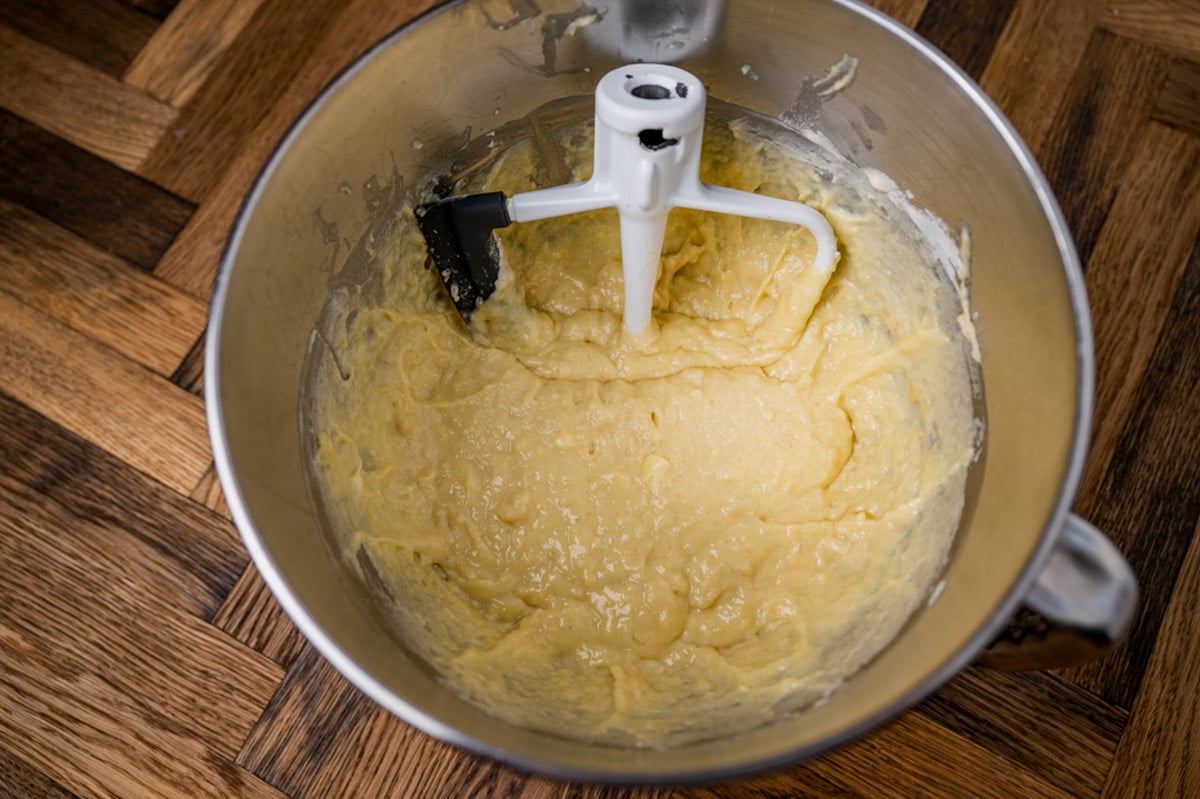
x: 1149, y: 502
x: 186, y: 48
x: 23, y: 781
x: 1158, y: 751
x: 1088, y: 145
x: 1021, y: 716
x: 159, y: 9
x: 208, y: 493
x: 84, y: 106
x: 226, y: 106
x: 91, y: 390
x: 141, y: 654
x: 113, y: 209
x: 1168, y: 23
x: 1131, y: 278
x: 104, y: 665
x: 251, y: 615
x: 906, y: 12
x: 1179, y: 103
x: 191, y: 262
x: 190, y: 556
x: 335, y: 732
x: 189, y: 372
x: 966, y: 30
x: 919, y: 756
x: 95, y: 293
x: 1032, y: 63
x: 104, y: 34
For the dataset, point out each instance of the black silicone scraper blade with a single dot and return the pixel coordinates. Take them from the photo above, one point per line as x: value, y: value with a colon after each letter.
x: 458, y: 233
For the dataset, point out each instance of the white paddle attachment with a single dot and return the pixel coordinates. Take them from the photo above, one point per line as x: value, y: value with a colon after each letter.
x: 649, y: 127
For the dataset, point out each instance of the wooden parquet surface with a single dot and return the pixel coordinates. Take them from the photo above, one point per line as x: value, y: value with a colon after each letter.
x: 140, y: 654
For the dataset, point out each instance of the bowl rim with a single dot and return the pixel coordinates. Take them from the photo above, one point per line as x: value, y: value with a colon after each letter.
x: 324, y: 642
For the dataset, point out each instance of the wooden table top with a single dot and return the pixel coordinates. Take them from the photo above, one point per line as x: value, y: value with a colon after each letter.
x: 141, y: 655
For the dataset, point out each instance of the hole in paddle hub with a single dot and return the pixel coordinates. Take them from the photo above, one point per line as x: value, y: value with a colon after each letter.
x: 653, y: 139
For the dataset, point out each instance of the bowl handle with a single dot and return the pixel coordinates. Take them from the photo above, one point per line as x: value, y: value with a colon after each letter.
x: 1081, y: 605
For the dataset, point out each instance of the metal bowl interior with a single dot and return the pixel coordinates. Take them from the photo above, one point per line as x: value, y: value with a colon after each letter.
x: 456, y: 73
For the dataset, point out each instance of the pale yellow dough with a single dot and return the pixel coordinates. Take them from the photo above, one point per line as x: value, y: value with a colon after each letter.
x: 659, y: 539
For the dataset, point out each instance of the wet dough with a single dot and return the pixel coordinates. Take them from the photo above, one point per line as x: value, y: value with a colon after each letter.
x: 658, y: 539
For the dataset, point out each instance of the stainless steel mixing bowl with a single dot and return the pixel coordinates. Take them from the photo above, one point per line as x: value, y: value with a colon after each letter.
x: 440, y: 84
